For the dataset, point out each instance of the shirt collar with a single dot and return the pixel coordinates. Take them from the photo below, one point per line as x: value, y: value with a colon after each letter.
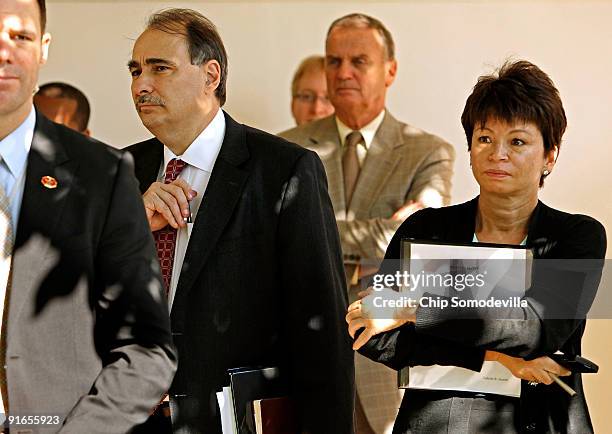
x: 15, y: 147
x: 368, y: 131
x: 203, y: 151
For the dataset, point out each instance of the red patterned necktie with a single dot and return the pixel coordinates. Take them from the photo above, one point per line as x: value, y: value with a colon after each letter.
x: 165, y: 238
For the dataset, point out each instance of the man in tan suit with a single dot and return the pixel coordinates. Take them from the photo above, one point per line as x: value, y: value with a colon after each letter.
x: 379, y: 172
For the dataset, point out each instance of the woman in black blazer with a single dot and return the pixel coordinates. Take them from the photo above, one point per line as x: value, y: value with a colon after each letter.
x: 513, y: 122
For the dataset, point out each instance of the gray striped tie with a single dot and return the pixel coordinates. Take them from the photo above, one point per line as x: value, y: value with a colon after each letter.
x: 6, y: 253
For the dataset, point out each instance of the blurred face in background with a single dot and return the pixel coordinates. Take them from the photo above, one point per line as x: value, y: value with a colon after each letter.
x: 310, y: 101
x: 59, y: 110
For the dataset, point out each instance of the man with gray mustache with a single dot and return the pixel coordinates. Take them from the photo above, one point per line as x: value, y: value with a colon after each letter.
x: 149, y: 99
x: 246, y: 238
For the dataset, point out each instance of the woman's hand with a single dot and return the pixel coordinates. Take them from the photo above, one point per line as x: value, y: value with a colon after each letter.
x: 368, y: 314
x: 536, y: 370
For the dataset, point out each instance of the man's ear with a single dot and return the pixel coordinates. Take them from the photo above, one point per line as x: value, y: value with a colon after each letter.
x: 391, y: 67
x: 212, y: 69
x: 44, y: 48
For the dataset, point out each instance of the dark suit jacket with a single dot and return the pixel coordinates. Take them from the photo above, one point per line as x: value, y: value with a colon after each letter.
x: 443, y: 337
x: 262, y: 282
x: 88, y: 338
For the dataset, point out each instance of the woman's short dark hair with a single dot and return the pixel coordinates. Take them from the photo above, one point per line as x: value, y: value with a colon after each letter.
x: 518, y: 91
x: 203, y: 40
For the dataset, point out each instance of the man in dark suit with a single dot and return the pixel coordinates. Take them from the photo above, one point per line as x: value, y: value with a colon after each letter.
x: 257, y: 278
x: 85, y: 340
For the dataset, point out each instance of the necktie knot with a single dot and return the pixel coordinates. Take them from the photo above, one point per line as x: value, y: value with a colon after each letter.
x: 173, y: 170
x: 353, y: 139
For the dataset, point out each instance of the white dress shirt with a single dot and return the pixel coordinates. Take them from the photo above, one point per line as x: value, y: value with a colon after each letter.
x: 14, y: 150
x: 200, y: 157
x: 368, y: 132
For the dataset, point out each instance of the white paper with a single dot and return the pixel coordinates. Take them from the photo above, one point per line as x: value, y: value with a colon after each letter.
x: 226, y: 407
x: 189, y: 230
x: 493, y: 378
x: 508, y: 274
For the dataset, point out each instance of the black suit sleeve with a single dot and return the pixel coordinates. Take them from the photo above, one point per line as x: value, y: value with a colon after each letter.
x: 403, y: 346
x: 132, y: 330
x: 312, y: 275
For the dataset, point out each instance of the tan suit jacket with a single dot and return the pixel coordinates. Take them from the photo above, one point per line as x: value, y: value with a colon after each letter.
x: 403, y: 163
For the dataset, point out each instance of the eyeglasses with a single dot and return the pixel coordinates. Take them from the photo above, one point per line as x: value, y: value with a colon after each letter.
x: 311, y: 98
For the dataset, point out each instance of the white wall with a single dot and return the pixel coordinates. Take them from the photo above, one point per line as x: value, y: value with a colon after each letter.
x: 442, y: 47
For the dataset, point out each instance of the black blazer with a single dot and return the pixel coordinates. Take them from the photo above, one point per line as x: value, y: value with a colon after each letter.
x: 439, y: 337
x: 262, y: 282
x: 88, y: 338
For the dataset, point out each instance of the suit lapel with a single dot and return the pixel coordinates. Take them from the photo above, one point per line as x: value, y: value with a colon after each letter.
x: 326, y: 142
x: 224, y: 189
x: 149, y: 162
x: 40, y: 213
x: 377, y: 167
